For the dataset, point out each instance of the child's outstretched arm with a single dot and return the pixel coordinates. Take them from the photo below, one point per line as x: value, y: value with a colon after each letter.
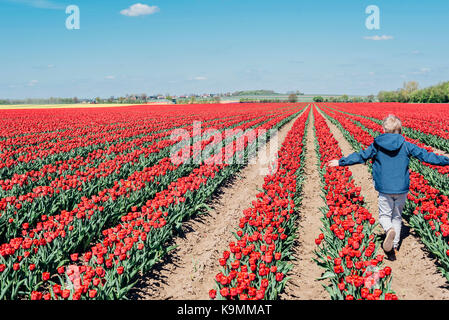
x: 355, y: 158
x: 425, y: 156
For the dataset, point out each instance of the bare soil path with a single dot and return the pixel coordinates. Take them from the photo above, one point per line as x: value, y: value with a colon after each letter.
x: 303, y: 284
x: 188, y: 272
x: 415, y: 275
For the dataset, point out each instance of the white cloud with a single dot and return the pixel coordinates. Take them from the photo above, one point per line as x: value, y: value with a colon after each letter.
x: 110, y: 77
x: 422, y: 71
x: 200, y: 78
x: 371, y: 73
x: 139, y: 9
x: 44, y: 66
x: 379, y: 38
x: 32, y: 83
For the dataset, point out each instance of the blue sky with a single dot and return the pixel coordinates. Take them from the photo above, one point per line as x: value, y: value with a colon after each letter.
x: 188, y: 46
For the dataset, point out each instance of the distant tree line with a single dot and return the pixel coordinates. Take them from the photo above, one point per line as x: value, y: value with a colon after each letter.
x: 344, y: 98
x: 197, y: 100
x: 264, y: 100
x: 129, y: 98
x: 263, y: 93
x: 50, y: 100
x: 411, y: 93
x: 292, y: 98
x: 254, y: 93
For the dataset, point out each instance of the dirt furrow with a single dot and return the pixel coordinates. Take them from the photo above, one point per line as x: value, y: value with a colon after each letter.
x: 415, y: 275
x: 188, y: 272
x: 303, y: 284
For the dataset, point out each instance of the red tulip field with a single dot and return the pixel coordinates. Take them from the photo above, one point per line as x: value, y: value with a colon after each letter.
x: 183, y: 202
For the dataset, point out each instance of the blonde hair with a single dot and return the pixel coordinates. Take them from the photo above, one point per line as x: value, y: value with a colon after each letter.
x: 392, y: 124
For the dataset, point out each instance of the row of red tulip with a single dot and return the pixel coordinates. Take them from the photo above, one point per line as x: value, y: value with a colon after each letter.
x: 347, y: 245
x: 256, y: 264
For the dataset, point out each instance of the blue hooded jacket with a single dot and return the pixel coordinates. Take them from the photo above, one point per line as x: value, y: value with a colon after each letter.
x: 391, y: 156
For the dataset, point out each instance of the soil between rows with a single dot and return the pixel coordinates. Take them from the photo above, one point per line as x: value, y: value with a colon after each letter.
x: 188, y: 272
x: 415, y: 275
x: 303, y: 284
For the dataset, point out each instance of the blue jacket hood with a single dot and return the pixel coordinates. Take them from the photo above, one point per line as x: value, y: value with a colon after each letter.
x: 390, y: 141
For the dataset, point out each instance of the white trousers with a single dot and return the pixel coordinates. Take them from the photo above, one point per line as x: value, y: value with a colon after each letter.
x: 390, y: 213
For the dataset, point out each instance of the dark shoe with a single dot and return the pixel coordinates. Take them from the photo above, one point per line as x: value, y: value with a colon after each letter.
x: 391, y: 256
x: 388, y: 242
x: 396, y: 252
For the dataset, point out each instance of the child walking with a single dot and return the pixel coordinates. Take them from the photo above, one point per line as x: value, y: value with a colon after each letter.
x: 391, y: 156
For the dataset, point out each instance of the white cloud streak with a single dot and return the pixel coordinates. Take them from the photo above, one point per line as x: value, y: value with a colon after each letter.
x: 41, y: 4
x: 422, y: 71
x: 379, y: 38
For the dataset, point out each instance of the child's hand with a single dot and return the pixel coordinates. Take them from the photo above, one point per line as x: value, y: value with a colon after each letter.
x: 333, y: 163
